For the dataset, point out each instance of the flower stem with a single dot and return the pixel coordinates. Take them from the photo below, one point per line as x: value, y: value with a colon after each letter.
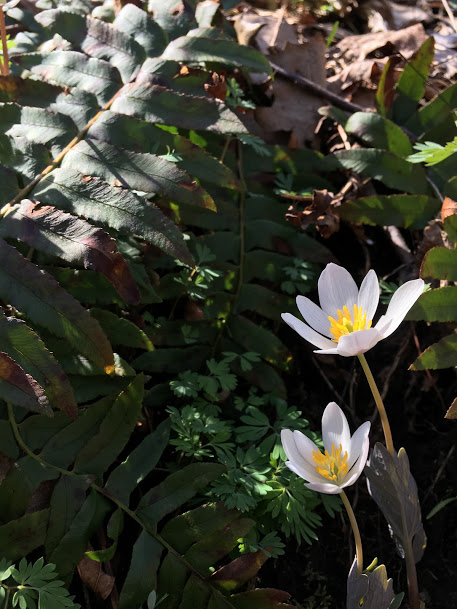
x: 355, y: 530
x: 379, y: 404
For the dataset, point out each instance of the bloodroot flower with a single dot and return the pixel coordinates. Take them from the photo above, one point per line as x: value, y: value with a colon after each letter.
x: 342, y: 324
x: 341, y: 463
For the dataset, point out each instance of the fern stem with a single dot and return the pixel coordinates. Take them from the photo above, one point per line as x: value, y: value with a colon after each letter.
x: 150, y: 530
x: 239, y: 285
x: 23, y: 446
x: 225, y: 148
x: 5, y: 63
x: 56, y: 162
x: 379, y: 404
x: 355, y: 530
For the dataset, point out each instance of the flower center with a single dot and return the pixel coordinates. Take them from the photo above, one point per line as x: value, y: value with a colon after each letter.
x: 346, y: 324
x: 332, y: 465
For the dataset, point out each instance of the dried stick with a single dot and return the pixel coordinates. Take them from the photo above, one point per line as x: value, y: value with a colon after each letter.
x: 5, y: 64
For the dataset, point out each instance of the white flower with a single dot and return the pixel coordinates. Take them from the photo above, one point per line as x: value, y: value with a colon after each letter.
x: 342, y: 324
x: 341, y: 463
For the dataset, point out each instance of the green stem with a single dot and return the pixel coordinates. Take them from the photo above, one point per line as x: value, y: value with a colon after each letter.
x: 242, y: 199
x: 411, y: 573
x: 379, y: 404
x: 355, y: 530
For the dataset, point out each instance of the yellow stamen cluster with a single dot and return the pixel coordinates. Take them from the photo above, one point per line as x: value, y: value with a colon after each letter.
x: 346, y: 324
x: 332, y: 465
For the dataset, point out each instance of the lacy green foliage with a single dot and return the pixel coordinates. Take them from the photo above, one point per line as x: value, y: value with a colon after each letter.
x: 244, y: 435
x: 32, y: 585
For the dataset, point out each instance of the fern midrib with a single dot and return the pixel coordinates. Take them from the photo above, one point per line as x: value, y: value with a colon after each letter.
x: 64, y: 472
x: 242, y: 200
x: 54, y: 165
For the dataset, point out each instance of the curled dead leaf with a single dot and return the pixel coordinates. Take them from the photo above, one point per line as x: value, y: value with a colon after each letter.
x: 92, y: 574
x: 449, y: 208
x: 319, y: 212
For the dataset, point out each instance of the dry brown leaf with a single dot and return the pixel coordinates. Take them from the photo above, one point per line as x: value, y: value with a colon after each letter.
x: 382, y: 15
x: 358, y: 61
x: 449, y: 208
x: 293, y: 117
x: 452, y: 412
x: 406, y: 41
x: 92, y: 574
x: 5, y: 466
x: 294, y: 110
x: 264, y: 26
x: 319, y: 212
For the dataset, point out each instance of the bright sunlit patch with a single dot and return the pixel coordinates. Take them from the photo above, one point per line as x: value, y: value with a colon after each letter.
x: 332, y: 465
x: 346, y: 324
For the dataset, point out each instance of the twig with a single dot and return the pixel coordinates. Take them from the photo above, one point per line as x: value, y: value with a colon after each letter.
x: 344, y: 138
x: 397, y: 358
x: 450, y: 14
x: 320, y: 91
x: 282, y: 12
x: 5, y: 64
x: 427, y: 372
x: 328, y: 382
x: 439, y: 472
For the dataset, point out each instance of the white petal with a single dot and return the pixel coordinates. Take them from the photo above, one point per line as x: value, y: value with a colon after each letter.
x: 358, y: 342
x: 359, y: 465
x: 301, y: 472
x: 400, y: 304
x: 333, y: 351
x: 306, y: 332
x: 314, y: 315
x: 305, y: 446
x: 369, y: 294
x: 301, y: 466
x: 358, y: 442
x: 335, y: 428
x: 325, y: 487
x: 336, y: 289
x: 383, y: 325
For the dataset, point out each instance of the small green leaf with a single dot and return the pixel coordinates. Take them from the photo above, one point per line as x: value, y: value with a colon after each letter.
x: 176, y: 490
x: 410, y: 87
x: 142, y: 575
x: 60, y: 234
x: 20, y: 389
x: 439, y: 506
x: 436, y: 305
x: 197, y: 50
x: 138, y: 171
x: 381, y: 165
x: 20, y: 537
x: 40, y: 297
x: 442, y: 354
x: 27, y: 349
x: 73, y: 544
x: 408, y: 211
x: 73, y: 69
x: 124, y: 479
x: 115, y: 431
x: 379, y: 132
